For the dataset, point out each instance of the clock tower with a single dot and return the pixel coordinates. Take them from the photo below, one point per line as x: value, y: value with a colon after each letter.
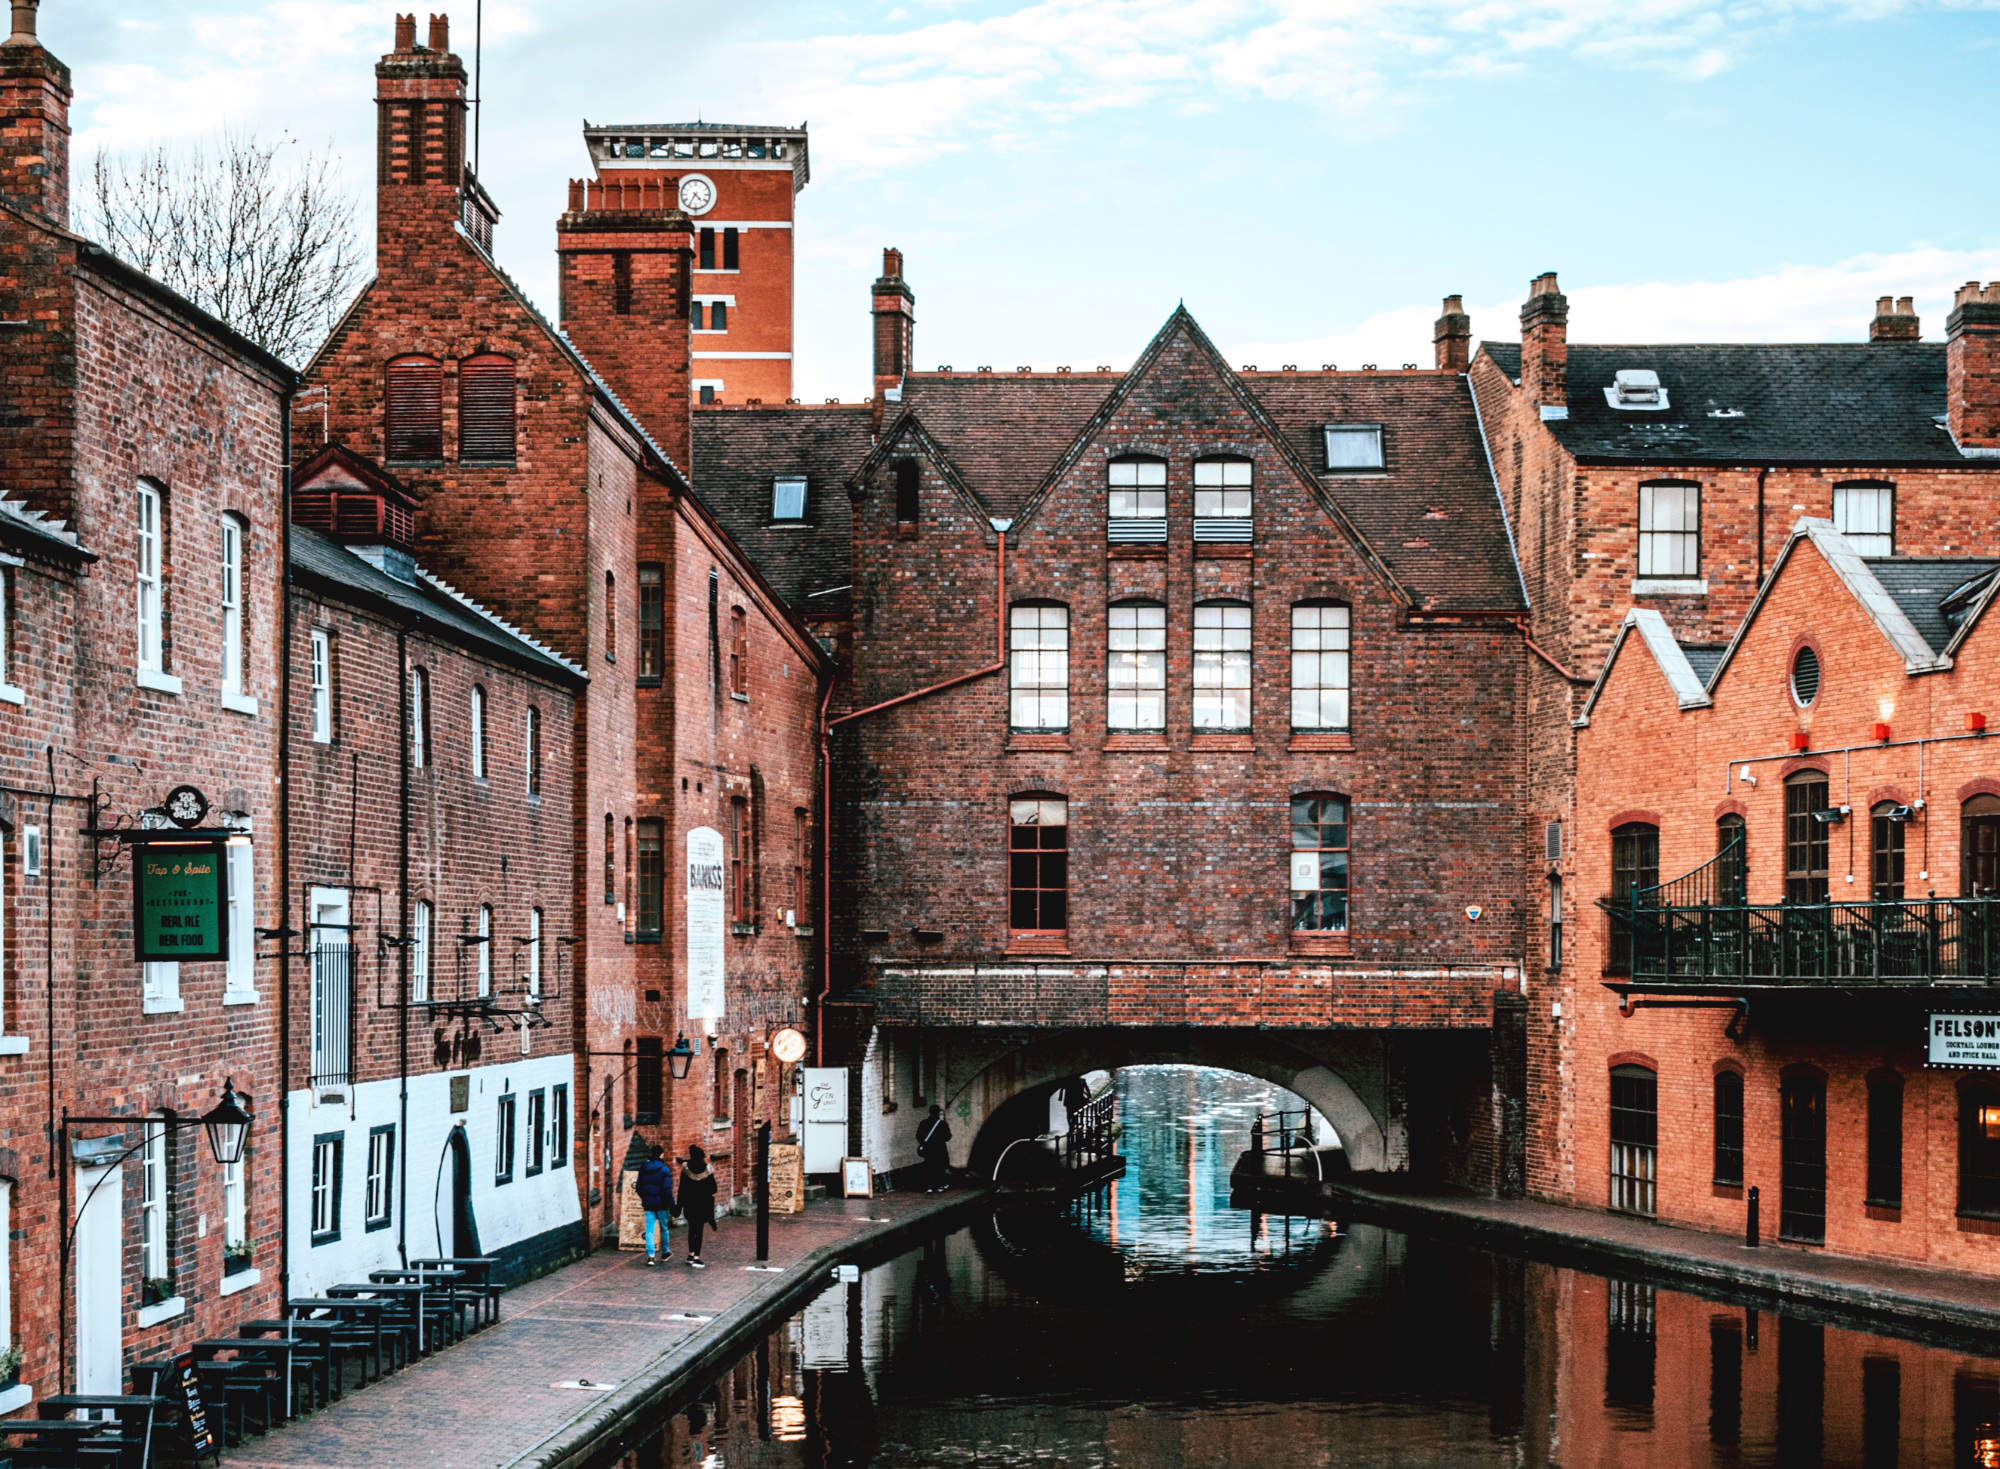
x: 736, y: 186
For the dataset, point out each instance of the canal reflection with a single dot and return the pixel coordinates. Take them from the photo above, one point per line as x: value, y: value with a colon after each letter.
x: 1160, y: 1327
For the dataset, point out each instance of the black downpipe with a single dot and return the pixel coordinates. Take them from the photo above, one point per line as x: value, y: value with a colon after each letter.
x: 49, y: 958
x: 403, y: 951
x: 285, y: 934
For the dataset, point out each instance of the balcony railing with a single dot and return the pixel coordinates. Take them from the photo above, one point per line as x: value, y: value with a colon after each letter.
x: 1927, y: 941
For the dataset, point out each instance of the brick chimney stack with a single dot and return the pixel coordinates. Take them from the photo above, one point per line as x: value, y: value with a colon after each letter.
x: 419, y: 143
x: 1452, y: 336
x: 34, y: 121
x: 625, y: 258
x: 895, y: 306
x: 1545, y: 344
x: 1895, y: 320
x: 1972, y: 368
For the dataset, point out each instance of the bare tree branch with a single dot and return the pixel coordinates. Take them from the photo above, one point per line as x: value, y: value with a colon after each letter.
x: 270, y: 249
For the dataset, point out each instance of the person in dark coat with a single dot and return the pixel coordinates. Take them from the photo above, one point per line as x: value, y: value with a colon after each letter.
x: 656, y: 1196
x: 697, y: 1200
x: 934, y: 1147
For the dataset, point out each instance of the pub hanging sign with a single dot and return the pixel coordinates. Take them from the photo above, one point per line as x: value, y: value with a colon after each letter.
x: 179, y: 907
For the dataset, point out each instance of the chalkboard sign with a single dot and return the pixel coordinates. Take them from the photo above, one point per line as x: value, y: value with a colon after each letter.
x: 201, y: 1436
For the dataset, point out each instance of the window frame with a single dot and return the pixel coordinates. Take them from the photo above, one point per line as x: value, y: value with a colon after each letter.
x: 533, y: 756
x: 1728, y: 1104
x: 610, y: 859
x: 236, y: 1202
x: 1888, y: 854
x: 909, y: 482
x: 1140, y: 658
x: 742, y: 863
x: 1044, y: 863
x: 1355, y: 431
x: 476, y: 730
x: 535, y: 1131
x: 422, y: 440
x: 649, y: 922
x: 652, y: 622
x: 149, y: 578
x: 239, y: 978
x: 1634, y: 1176
x: 1214, y: 666
x: 1885, y: 490
x: 781, y: 485
x: 1319, y: 654
x: 535, y: 954
x: 1222, y: 523
x: 1037, y: 692
x: 475, y: 398
x: 504, y: 1136
x: 1680, y: 542
x: 1806, y: 836
x: 485, y: 948
x: 321, y: 649
x: 1635, y: 866
x: 739, y: 653
x: 610, y: 615
x: 1978, y: 1108
x: 156, y: 1245
x: 328, y: 1149
x: 233, y: 530
x: 1127, y: 526
x: 423, y: 926
x: 801, y: 865
x: 1320, y: 897
x: 1554, y: 962
x: 420, y: 718
x: 379, y: 1187
x: 559, y: 1125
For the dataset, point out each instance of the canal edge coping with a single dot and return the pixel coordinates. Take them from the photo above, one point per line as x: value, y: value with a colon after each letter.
x: 728, y: 1335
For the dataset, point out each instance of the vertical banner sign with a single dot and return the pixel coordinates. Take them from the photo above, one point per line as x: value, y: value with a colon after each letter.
x: 704, y: 923
x: 177, y: 901
x: 201, y: 1433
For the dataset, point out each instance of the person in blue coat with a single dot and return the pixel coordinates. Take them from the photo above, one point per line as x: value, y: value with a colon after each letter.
x: 656, y: 1197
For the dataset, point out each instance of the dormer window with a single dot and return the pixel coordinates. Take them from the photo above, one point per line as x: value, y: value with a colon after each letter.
x: 788, y: 497
x: 1636, y: 388
x: 1351, y: 446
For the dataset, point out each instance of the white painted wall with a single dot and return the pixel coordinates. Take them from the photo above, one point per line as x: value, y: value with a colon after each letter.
x: 506, y: 1213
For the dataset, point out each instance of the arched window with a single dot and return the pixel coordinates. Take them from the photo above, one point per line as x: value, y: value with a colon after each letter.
x: 413, y: 413
x: 1635, y: 866
x: 1865, y: 512
x: 1222, y: 665
x: 908, y: 480
x: 1136, y: 666
x: 1979, y: 1151
x: 1321, y: 634
x: 1730, y: 866
x: 1979, y: 849
x: 1038, y: 657
x: 1887, y: 824
x: 1885, y: 1140
x: 1806, y: 845
x: 1222, y: 500
x: 1729, y: 1128
x: 486, y: 409
x: 1137, y: 504
x: 1038, y: 865
x: 1669, y: 530
x: 1635, y: 1139
x: 1319, y: 853
x: 1802, y: 1159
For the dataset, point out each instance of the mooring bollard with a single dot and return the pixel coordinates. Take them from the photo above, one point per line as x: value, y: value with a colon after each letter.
x: 764, y: 1191
x: 1750, y: 1221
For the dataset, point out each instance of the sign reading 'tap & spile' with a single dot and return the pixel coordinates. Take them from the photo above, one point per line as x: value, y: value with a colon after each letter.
x: 179, y: 901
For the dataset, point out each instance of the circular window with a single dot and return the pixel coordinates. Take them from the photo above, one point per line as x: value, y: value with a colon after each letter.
x: 1805, y: 676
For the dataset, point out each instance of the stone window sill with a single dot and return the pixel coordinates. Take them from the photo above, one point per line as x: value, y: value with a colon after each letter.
x: 163, y: 1005
x: 1026, y: 740
x: 1727, y: 1191
x: 162, y: 683
x: 1321, y: 945
x: 1661, y: 586
x: 13, y: 1045
x: 1312, y: 742
x: 906, y: 530
x: 1135, y: 742
x: 163, y: 1311
x: 241, y: 1280
x: 1883, y: 1213
x: 11, y: 695
x: 1038, y: 943
x: 240, y: 997
x: 1222, y: 740
x: 239, y: 703
x: 741, y: 698
x: 16, y: 1397
x: 1223, y: 551
x: 1138, y: 551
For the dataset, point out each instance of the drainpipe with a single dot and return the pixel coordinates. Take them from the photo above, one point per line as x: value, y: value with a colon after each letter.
x: 1001, y: 527
x: 284, y: 933
x: 403, y: 948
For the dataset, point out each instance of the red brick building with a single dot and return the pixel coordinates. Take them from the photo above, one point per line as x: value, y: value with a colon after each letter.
x: 1179, y: 722
x: 435, y: 1081
x: 142, y: 551
x: 737, y: 186
x: 550, y: 493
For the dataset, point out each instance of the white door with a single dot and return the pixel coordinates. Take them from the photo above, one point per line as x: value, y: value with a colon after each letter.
x: 100, y: 1281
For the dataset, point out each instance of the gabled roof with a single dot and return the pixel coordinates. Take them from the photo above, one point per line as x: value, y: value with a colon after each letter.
x: 430, y: 604
x: 1921, y: 586
x: 1846, y: 563
x: 1671, y: 658
x: 33, y: 533
x: 1839, y: 403
x: 1001, y: 431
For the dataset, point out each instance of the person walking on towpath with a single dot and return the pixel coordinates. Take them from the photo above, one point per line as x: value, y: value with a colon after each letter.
x: 656, y: 1196
x: 697, y: 1201
x: 934, y: 1147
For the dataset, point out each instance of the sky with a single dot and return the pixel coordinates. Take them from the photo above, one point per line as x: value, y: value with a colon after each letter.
x: 1309, y: 176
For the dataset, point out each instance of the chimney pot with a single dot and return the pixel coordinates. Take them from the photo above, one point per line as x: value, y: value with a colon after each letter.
x: 24, y: 23
x: 1545, y: 343
x: 1972, y: 368
x: 1452, y: 336
x: 1906, y: 306
x: 440, y: 32
x: 892, y: 263
x: 406, y: 32
x: 1895, y: 321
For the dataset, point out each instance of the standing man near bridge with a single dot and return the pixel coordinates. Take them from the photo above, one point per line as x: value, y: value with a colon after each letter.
x: 934, y: 1147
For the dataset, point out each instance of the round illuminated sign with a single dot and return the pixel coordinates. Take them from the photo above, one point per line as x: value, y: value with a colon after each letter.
x: 788, y: 1046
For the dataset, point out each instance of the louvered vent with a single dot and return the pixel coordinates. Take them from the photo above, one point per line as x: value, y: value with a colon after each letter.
x: 415, y: 427
x: 486, y: 410
x: 313, y: 509
x: 1552, y: 841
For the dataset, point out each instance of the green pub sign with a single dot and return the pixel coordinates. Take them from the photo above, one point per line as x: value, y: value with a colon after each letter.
x: 178, y: 903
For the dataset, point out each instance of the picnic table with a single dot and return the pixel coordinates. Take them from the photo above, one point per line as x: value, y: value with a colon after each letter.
x: 409, y: 1293
x: 128, y: 1406
x: 68, y: 1440
x: 479, y: 1277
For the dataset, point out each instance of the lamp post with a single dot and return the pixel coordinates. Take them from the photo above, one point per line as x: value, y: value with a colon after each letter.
x: 227, y: 1124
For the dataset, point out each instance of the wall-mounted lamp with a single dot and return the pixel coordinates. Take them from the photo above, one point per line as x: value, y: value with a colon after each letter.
x: 1900, y: 813
x: 679, y: 1058
x: 1832, y: 816
x: 1746, y: 777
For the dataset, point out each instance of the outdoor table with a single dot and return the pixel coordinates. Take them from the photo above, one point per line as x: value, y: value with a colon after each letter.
x: 411, y: 1295
x: 133, y: 1406
x: 376, y: 1317
x: 431, y: 1281
x: 319, y: 1335
x: 225, y: 1385
x: 479, y: 1276
x: 82, y: 1439
x: 280, y: 1353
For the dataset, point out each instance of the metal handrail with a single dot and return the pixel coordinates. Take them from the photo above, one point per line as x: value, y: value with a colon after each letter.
x: 1287, y: 1132
x: 1873, y: 942
x: 1697, y: 882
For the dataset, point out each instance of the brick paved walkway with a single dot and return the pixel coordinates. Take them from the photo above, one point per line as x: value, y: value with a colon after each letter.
x: 1869, y: 1294
x: 490, y: 1400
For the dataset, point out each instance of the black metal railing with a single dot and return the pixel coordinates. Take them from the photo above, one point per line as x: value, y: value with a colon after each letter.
x: 332, y: 1013
x: 1718, y: 880
x: 1090, y: 1136
x: 1901, y: 942
x: 1287, y: 1134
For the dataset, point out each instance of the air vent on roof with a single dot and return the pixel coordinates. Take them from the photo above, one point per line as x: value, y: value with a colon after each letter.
x: 1636, y: 387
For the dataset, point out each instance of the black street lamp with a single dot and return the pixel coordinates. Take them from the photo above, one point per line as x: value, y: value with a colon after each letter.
x: 679, y: 1058
x: 228, y: 1126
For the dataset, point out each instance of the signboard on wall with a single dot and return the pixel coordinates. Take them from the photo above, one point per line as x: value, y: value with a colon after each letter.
x: 788, y: 1181
x: 1964, y: 1040
x: 705, y: 880
x: 179, y: 908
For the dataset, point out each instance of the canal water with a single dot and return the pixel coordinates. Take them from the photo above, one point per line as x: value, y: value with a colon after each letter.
x: 1162, y: 1329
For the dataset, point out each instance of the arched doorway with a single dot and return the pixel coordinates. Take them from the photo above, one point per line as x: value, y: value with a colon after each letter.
x: 464, y: 1227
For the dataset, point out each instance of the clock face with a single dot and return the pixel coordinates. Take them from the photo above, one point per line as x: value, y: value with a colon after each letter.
x: 697, y: 195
